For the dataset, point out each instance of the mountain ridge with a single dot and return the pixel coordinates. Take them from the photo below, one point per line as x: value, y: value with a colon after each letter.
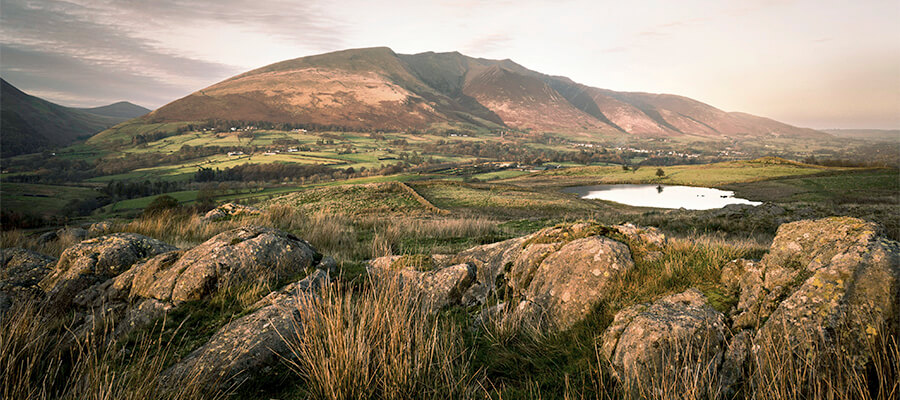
x: 376, y: 88
x: 31, y: 124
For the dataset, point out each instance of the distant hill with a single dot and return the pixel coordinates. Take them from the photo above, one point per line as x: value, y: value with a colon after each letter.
x: 866, y: 134
x: 30, y: 124
x: 376, y: 88
x: 122, y: 109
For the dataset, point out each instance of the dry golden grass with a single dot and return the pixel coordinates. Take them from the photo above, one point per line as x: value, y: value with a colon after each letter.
x: 16, y: 238
x: 42, y: 358
x: 378, y: 343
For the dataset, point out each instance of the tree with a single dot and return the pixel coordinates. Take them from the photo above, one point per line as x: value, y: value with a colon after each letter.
x: 161, y: 203
x: 660, y: 173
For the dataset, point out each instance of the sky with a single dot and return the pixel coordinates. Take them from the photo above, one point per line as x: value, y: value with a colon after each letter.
x: 812, y: 63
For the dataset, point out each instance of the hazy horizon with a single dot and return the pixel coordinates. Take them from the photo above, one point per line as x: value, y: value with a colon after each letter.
x: 824, y: 65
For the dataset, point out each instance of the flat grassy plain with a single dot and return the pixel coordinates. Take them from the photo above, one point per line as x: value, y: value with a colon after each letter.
x: 708, y: 175
x: 41, y: 199
x: 843, y: 186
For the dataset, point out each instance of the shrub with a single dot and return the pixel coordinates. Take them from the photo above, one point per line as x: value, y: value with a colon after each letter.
x: 161, y: 203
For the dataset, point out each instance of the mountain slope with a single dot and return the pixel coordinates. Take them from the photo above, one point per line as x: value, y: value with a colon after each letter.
x: 30, y: 124
x: 376, y: 88
x: 122, y: 110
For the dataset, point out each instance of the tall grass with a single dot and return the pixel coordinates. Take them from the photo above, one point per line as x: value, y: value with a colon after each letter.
x: 16, y: 238
x: 42, y: 358
x: 808, y: 367
x: 379, y: 343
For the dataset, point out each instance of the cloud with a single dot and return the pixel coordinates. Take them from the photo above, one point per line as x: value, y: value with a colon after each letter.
x: 133, y: 50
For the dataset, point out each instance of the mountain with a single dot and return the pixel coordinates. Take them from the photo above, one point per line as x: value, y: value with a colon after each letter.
x: 30, y: 124
x: 122, y: 110
x: 379, y: 89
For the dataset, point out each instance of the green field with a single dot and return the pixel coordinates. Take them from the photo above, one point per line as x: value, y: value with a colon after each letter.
x: 41, y: 199
x: 866, y: 186
x: 709, y: 175
x: 500, y: 199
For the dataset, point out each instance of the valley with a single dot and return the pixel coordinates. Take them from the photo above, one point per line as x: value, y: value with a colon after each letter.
x: 367, y: 224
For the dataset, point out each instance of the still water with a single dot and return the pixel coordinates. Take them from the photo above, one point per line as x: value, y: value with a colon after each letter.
x: 661, y: 196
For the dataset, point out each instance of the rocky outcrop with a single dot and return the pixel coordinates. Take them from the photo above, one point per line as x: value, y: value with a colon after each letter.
x: 848, y: 291
x: 647, y: 235
x: 651, y: 344
x: 826, y: 287
x: 229, y: 210
x: 492, y: 261
x: 556, y: 275
x: 571, y: 281
x: 248, y: 346
x: 23, y: 268
x: 236, y: 257
x: 96, y: 260
x: 20, y: 272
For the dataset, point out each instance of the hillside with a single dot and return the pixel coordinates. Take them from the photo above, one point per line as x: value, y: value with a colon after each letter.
x: 30, y: 124
x: 376, y: 88
x: 122, y: 109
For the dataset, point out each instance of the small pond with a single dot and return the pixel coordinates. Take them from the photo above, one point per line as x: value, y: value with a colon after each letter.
x: 661, y: 196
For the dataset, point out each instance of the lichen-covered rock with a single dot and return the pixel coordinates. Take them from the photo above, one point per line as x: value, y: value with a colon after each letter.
x: 20, y: 272
x: 653, y: 343
x: 571, y: 281
x: 849, y: 290
x: 95, y: 260
x: 761, y: 288
x: 493, y: 262
x: 735, y: 363
x: 229, y: 210
x: 648, y: 235
x: 100, y: 228
x: 250, y: 345
x: 23, y: 268
x: 239, y: 256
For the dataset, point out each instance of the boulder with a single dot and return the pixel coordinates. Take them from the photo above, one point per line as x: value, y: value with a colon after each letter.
x: 649, y: 236
x: 249, y: 346
x: 96, y: 260
x: 846, y: 290
x: 20, y: 272
x: 493, y: 262
x: 23, y: 268
x: 229, y: 210
x: 437, y: 288
x: 649, y: 345
x: 100, y: 228
x: 236, y: 257
x: 570, y: 282
x: 760, y: 287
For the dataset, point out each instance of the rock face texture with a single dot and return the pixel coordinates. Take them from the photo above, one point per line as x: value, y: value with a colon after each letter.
x: 675, y: 334
x: 556, y: 275
x: 96, y: 260
x: 848, y: 291
x: 20, y: 272
x: 234, y: 257
x: 570, y: 282
x: 229, y: 210
x: 247, y: 346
